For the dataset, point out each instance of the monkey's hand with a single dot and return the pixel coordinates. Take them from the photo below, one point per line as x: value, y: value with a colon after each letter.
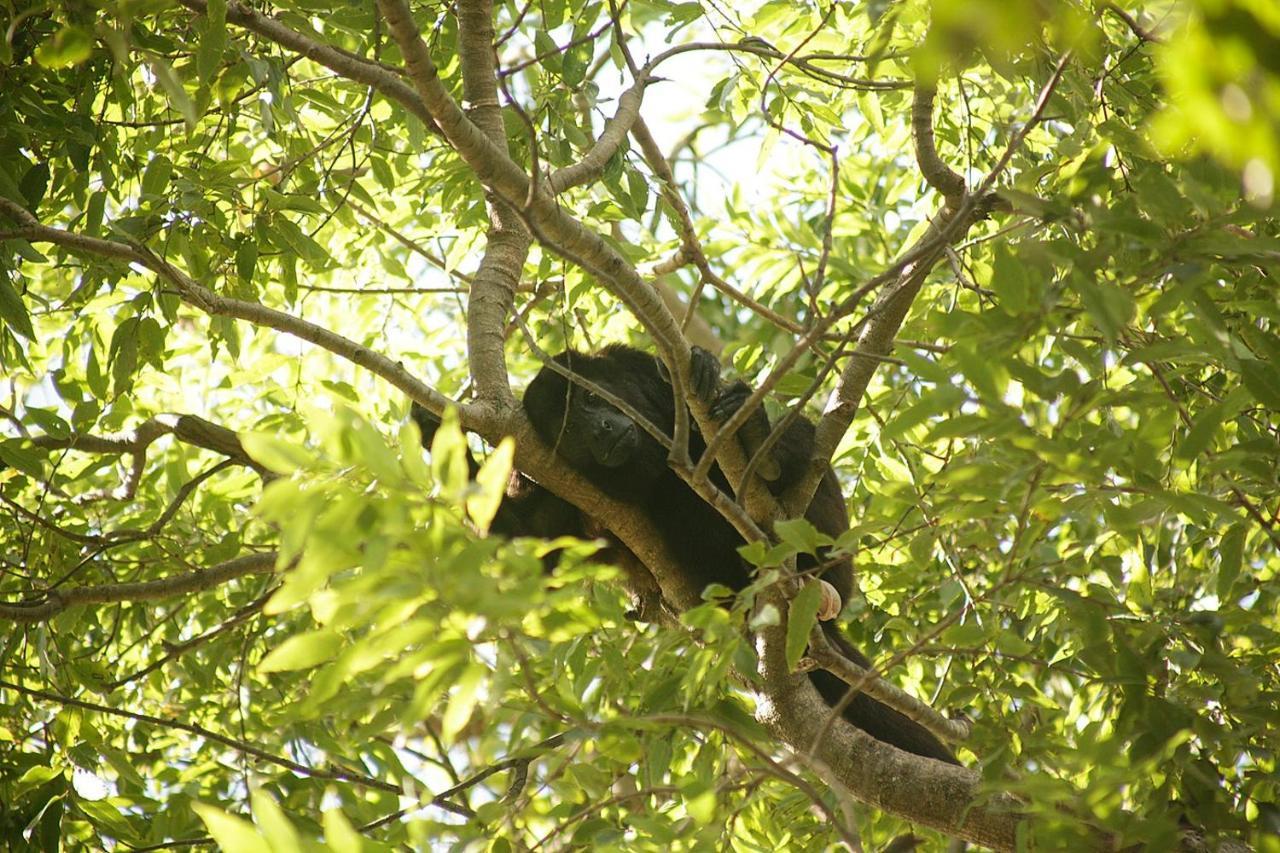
x: 704, y: 370
x: 753, y: 433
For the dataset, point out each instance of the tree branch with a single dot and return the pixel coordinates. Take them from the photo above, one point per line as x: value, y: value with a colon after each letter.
x: 936, y: 172
x: 507, y: 240
x: 340, y: 775
x: 591, y: 166
x: 54, y: 602
x: 346, y: 64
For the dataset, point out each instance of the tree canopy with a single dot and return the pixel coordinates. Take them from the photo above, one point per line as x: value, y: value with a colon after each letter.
x: 1016, y: 259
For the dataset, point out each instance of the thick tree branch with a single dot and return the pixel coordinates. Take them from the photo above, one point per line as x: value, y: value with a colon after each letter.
x: 930, y: 793
x: 532, y: 456
x: 561, y: 232
x: 507, y: 239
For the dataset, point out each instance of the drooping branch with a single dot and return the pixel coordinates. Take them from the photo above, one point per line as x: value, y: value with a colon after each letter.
x: 337, y: 775
x: 691, y: 246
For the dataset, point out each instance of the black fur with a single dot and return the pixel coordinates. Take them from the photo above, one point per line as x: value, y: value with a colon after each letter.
x: 625, y: 462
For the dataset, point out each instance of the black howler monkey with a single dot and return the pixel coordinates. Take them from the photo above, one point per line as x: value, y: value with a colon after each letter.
x: 621, y: 459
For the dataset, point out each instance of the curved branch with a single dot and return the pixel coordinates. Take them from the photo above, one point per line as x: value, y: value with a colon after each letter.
x: 926, y: 792
x: 591, y: 166
x: 211, y: 303
x: 936, y: 172
x: 560, y: 231
x: 348, y: 65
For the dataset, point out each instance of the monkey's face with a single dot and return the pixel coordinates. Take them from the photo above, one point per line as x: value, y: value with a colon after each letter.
x: 611, y: 437
x: 586, y: 430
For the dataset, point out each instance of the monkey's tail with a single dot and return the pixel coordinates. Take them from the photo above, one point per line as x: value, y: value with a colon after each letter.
x: 873, y: 717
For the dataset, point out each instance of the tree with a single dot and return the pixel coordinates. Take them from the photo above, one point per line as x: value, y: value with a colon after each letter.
x: 1019, y: 254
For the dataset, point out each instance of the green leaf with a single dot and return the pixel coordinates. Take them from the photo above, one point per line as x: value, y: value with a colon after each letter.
x: 931, y: 404
x: 462, y: 702
x: 174, y: 91
x: 449, y: 455
x: 15, y: 455
x: 35, y: 777
x: 231, y: 833
x: 341, y: 836
x: 1263, y: 381
x: 278, y: 455
x: 1230, y: 558
x: 275, y: 827
x: 93, y: 213
x: 213, y: 42
x: 155, y: 178
x: 246, y: 258
x: 123, y: 355
x: 802, y: 615
x: 1010, y: 279
x: 303, y: 246
x: 69, y: 46
x: 1110, y: 307
x: 107, y: 815
x: 1202, y: 431
x: 12, y: 310
x: 34, y: 184
x: 801, y: 535
x: 491, y: 485
x: 302, y: 651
